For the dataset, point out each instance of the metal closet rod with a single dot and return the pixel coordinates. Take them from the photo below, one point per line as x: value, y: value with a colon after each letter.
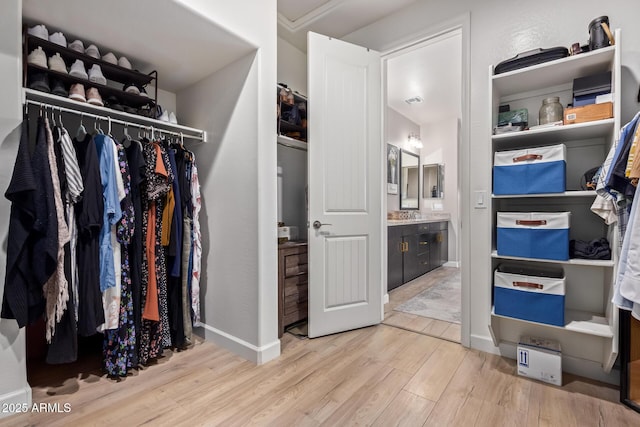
x: 109, y: 119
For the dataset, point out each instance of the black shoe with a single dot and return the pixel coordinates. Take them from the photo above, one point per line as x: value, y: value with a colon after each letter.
x: 57, y: 88
x: 40, y: 81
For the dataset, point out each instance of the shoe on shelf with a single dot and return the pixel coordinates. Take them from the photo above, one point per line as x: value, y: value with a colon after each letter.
x: 57, y: 88
x: 37, y: 57
x: 39, y: 31
x: 130, y: 110
x: 78, y: 70
x: 131, y: 88
x: 172, y: 118
x: 76, y: 92
x: 39, y: 81
x: 110, y: 58
x: 58, y: 38
x: 92, y: 51
x: 124, y: 63
x: 56, y: 63
x: 93, y: 97
x: 96, y: 76
x: 143, y: 92
x: 77, y: 45
x: 113, y: 103
x: 164, y: 116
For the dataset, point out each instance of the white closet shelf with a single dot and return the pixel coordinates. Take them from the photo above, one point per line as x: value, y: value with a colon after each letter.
x: 575, y: 193
x: 587, y: 130
x: 572, y: 261
x: 133, y: 119
x: 554, y: 73
x: 575, y: 321
x: 292, y: 142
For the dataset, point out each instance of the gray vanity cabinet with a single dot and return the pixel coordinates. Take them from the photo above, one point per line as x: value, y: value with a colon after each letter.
x: 415, y: 249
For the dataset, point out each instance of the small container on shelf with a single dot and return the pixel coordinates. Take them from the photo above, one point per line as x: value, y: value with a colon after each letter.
x: 539, y: 235
x: 550, y: 111
x: 534, y: 294
x: 536, y: 170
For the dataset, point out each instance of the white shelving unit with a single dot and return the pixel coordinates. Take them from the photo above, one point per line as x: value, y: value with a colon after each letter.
x: 590, y: 335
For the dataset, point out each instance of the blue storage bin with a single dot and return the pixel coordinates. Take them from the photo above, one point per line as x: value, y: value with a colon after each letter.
x: 543, y: 235
x: 530, y: 171
x: 536, y: 295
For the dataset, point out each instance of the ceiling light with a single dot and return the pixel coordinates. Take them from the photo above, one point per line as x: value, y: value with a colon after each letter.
x: 415, y: 100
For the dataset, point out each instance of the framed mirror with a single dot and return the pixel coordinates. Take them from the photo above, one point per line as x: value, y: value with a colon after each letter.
x: 433, y: 181
x: 409, y: 180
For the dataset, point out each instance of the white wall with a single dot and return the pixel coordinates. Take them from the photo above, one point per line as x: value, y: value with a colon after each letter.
x: 292, y: 66
x: 499, y: 31
x: 241, y: 296
x: 397, y: 131
x: 441, y: 146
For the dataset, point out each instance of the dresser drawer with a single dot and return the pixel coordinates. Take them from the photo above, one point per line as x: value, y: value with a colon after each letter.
x: 296, y: 270
x: 295, y: 288
x: 295, y: 259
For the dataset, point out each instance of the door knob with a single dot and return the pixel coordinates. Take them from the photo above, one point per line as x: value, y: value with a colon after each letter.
x: 318, y: 224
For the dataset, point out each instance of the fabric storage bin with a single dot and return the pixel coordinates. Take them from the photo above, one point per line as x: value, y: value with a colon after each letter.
x: 543, y: 235
x: 530, y: 171
x: 533, y: 294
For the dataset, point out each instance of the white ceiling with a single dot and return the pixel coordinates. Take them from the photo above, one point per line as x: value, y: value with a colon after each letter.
x: 432, y: 72
x: 335, y: 18
x: 154, y: 35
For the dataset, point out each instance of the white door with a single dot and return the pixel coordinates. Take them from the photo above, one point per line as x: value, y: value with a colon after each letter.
x: 345, y: 186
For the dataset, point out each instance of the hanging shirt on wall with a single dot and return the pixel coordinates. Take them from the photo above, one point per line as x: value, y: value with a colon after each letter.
x: 112, y: 212
x: 89, y: 215
x: 22, y: 299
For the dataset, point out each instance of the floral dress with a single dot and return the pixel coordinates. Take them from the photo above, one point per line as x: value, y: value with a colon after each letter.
x: 119, y: 344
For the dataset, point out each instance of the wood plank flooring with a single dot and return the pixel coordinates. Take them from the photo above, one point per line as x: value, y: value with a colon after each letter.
x: 424, y: 325
x: 381, y: 375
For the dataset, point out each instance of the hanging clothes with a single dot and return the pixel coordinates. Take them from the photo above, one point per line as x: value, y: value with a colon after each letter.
x: 197, y: 244
x: 56, y: 289
x: 89, y: 215
x: 22, y: 298
x: 120, y: 344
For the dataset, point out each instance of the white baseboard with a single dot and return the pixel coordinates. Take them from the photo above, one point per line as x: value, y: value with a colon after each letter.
x: 455, y: 264
x: 17, y: 397
x: 573, y: 365
x: 257, y: 355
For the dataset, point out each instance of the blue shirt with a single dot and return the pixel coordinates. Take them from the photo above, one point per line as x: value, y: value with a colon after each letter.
x: 112, y: 211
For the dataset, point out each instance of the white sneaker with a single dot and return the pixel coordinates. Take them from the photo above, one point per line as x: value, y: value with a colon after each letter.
x: 78, y: 70
x: 96, y: 76
x: 77, y: 45
x: 172, y: 118
x: 56, y: 63
x: 37, y: 57
x: 39, y: 31
x: 92, y: 51
x: 164, y: 116
x: 58, y: 38
x: 124, y: 63
x: 110, y: 58
x: 131, y: 88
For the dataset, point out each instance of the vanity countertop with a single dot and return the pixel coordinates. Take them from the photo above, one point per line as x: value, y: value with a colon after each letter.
x: 439, y: 217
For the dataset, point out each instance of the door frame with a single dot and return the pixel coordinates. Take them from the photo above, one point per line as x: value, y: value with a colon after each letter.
x: 462, y: 24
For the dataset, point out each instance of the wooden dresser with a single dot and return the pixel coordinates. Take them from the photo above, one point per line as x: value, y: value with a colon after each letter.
x: 292, y: 284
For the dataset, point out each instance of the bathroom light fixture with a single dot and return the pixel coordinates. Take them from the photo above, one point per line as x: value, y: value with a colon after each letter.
x: 414, y: 140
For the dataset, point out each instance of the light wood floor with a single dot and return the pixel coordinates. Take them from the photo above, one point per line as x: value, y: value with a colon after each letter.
x: 380, y: 376
x: 424, y: 325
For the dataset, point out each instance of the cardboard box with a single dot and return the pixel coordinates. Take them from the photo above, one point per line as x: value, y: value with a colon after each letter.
x: 540, y: 359
x: 588, y: 113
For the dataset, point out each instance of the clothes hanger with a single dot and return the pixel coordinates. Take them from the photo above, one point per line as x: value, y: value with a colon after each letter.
x: 81, y: 133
